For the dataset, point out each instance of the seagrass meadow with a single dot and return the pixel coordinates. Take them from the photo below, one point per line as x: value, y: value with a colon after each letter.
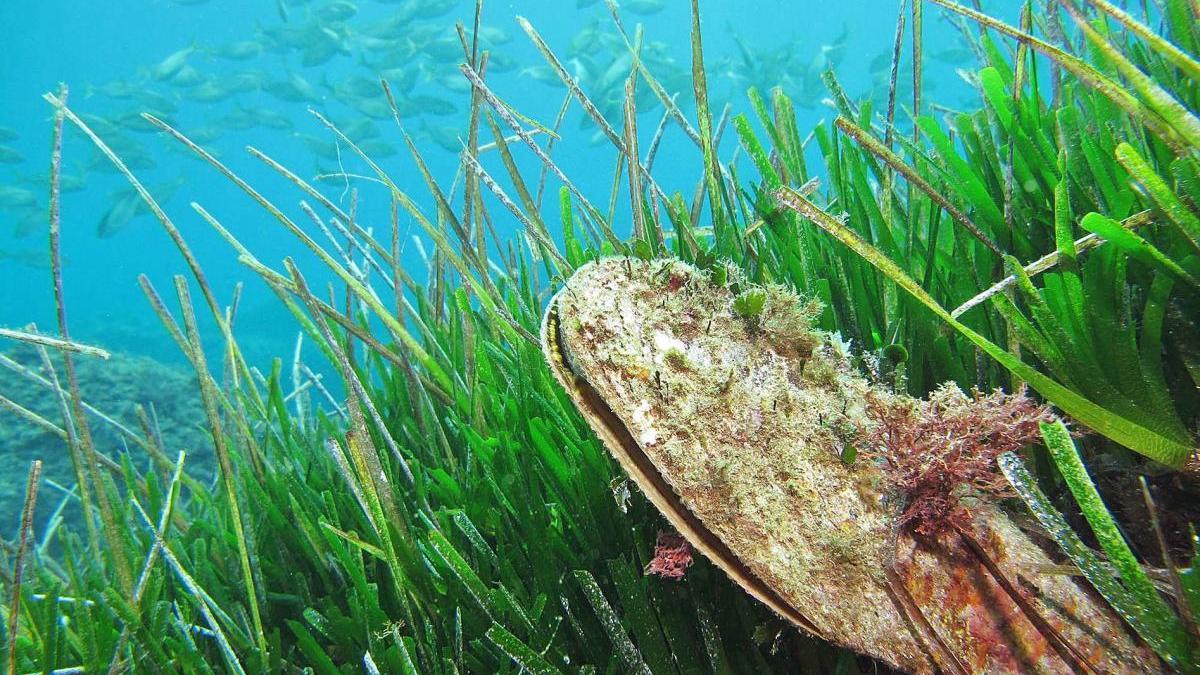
x: 421, y: 495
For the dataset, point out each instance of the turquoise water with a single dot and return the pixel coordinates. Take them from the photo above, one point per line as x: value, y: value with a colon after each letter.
x: 234, y: 74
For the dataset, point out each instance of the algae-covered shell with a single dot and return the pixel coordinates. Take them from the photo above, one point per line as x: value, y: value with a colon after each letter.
x: 734, y: 422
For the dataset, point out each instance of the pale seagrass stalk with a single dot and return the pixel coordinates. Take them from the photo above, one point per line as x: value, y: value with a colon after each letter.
x: 734, y: 424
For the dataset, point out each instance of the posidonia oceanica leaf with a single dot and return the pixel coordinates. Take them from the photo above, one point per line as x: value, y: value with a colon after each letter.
x: 1084, y: 558
x: 1134, y: 436
x: 1136, y: 246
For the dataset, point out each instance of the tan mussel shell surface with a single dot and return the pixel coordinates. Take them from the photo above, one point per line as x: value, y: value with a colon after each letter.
x: 734, y: 426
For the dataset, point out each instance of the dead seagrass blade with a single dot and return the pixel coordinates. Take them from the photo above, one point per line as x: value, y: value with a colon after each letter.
x: 731, y: 416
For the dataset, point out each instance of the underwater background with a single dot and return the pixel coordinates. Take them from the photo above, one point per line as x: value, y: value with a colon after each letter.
x: 306, y: 421
x: 235, y: 74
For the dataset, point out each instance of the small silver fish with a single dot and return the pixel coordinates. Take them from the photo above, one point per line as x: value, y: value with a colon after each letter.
x: 10, y: 156
x: 14, y: 197
x: 169, y: 66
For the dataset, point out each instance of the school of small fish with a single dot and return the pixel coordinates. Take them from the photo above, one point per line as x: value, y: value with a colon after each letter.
x: 300, y: 61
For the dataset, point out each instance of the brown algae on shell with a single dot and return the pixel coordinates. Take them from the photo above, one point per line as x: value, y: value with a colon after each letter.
x: 733, y: 417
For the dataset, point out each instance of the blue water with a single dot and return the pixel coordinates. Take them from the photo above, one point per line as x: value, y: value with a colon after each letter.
x: 115, y: 57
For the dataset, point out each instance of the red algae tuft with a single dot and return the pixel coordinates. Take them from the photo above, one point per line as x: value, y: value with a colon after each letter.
x: 672, y: 556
